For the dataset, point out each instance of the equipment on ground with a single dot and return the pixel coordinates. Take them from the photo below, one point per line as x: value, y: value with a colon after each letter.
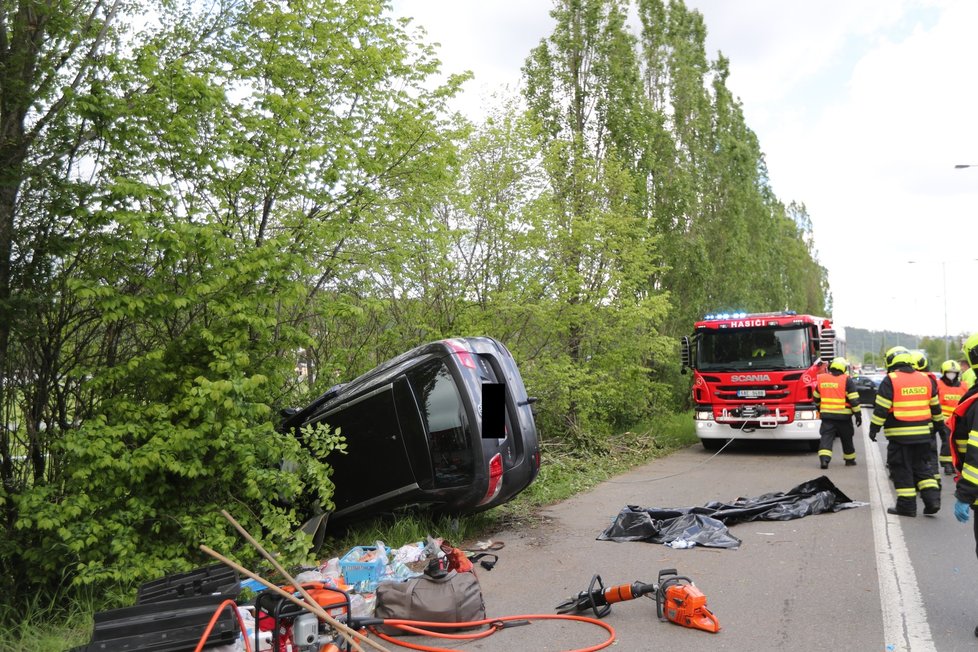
x: 677, y: 600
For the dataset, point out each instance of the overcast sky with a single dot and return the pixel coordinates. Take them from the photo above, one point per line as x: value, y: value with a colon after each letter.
x: 862, y: 109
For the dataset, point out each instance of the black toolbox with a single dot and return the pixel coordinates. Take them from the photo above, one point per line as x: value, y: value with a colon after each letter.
x: 216, y: 578
x: 171, y: 615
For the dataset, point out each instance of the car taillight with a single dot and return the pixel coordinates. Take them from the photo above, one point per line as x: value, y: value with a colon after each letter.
x: 495, y: 478
x: 463, y: 353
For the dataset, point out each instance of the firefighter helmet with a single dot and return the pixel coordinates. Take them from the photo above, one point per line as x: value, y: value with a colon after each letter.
x: 900, y: 355
x: 840, y: 364
x: 950, y: 366
x: 918, y: 360
x: 970, y: 350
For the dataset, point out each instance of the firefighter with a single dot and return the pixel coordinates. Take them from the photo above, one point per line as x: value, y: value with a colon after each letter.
x: 967, y: 374
x: 949, y: 393
x: 918, y: 360
x: 906, y: 407
x: 837, y: 399
x: 964, y: 434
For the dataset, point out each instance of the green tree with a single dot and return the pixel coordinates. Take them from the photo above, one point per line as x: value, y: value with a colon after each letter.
x: 239, y: 168
x: 582, y: 88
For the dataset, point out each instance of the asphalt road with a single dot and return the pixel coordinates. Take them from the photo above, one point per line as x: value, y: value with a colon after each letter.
x: 858, y: 579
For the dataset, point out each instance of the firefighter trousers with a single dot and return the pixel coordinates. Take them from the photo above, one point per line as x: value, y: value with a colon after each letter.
x: 832, y: 428
x: 944, y: 457
x: 912, y: 472
x: 935, y: 463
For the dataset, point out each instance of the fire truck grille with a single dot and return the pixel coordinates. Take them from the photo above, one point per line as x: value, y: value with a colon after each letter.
x: 751, y: 392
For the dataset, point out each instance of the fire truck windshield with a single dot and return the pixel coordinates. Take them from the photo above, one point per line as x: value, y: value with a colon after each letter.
x: 755, y: 348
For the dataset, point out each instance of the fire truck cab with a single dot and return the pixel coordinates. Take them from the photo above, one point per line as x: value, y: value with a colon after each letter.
x: 754, y: 375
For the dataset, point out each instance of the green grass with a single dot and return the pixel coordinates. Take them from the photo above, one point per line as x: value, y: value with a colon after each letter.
x: 563, y: 474
x: 52, y: 625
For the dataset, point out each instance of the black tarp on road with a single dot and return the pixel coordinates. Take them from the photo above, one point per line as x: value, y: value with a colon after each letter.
x: 707, y: 525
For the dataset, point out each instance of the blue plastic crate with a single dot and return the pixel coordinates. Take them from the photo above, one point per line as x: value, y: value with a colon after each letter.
x: 355, y: 571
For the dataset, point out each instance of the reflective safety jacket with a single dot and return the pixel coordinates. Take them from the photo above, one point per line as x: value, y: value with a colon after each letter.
x: 949, y: 395
x: 836, y: 396
x: 907, y: 406
x: 963, y: 425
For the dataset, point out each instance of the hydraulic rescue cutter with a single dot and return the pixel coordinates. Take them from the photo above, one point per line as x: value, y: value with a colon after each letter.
x: 676, y: 600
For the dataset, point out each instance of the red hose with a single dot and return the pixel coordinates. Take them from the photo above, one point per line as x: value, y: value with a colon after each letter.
x: 416, y: 627
x: 217, y: 614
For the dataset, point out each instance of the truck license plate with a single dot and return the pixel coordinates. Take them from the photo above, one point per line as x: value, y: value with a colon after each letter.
x: 750, y: 393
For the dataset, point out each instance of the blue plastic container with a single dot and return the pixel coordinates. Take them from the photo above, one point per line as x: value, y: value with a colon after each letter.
x: 356, y: 571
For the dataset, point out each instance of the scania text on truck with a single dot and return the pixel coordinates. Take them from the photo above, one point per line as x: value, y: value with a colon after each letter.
x: 754, y: 375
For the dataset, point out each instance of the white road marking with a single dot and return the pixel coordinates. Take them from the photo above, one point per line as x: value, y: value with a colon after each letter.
x: 905, y: 625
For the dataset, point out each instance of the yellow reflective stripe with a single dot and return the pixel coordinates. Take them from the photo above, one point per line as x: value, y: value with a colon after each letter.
x: 945, y: 459
x: 825, y: 453
x: 912, y: 415
x: 839, y: 411
x: 833, y: 402
x: 973, y: 438
x: 914, y: 404
x: 879, y: 421
x: 962, y: 446
x: 906, y: 431
x: 946, y: 410
x: 929, y: 483
x: 849, y: 456
x: 970, y: 474
x: 883, y: 402
x: 906, y: 492
x: 853, y: 396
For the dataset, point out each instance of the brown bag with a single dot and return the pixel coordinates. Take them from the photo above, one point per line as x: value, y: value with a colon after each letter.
x: 452, y: 598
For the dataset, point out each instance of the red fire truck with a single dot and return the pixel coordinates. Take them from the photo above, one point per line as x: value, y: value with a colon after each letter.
x: 753, y: 375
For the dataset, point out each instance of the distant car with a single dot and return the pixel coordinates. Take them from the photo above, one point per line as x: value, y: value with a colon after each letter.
x: 447, y: 424
x: 867, y: 385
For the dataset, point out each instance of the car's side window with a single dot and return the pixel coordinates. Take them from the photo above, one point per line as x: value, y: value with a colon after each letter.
x: 445, y: 422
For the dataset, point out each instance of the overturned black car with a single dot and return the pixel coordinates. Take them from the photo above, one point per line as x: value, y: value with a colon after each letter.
x: 447, y: 424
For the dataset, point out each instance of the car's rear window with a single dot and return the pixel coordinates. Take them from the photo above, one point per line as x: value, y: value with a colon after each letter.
x: 445, y: 422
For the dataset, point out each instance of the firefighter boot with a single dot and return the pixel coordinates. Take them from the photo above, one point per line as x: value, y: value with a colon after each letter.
x: 932, y: 501
x: 948, y: 468
x: 850, y: 462
x: 905, y: 506
x: 896, y: 510
x: 824, y: 462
